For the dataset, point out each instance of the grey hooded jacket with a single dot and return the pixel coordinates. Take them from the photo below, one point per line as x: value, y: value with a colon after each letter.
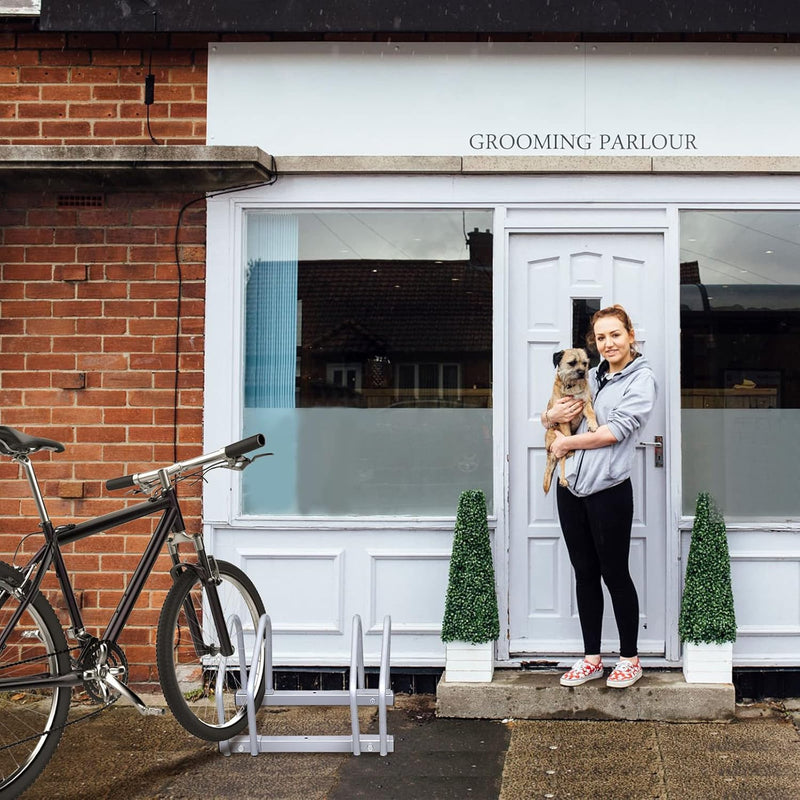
x: 623, y: 404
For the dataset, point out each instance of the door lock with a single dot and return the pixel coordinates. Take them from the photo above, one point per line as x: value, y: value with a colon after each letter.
x: 658, y: 451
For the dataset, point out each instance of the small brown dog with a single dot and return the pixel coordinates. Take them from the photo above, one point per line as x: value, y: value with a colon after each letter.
x: 572, y: 367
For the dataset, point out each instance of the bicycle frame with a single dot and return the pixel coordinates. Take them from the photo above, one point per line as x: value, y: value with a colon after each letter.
x: 170, y: 530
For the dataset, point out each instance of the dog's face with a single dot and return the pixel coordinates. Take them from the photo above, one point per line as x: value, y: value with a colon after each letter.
x: 571, y: 365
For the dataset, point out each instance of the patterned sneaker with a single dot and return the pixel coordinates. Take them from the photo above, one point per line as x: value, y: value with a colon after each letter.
x: 581, y: 672
x: 625, y: 673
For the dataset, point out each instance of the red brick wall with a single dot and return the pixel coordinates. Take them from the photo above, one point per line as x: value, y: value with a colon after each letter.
x: 87, y: 357
x: 79, y: 88
x: 88, y: 304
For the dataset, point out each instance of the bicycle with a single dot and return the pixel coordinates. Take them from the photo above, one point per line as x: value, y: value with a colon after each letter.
x: 39, y: 669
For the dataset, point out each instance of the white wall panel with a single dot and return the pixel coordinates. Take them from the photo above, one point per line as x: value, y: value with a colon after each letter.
x: 303, y: 590
x: 313, y: 588
x: 411, y: 588
x: 765, y: 574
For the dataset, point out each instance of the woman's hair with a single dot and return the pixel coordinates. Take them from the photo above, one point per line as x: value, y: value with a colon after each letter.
x: 611, y: 311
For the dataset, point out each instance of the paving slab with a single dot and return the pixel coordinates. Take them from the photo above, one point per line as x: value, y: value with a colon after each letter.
x: 434, y: 759
x: 749, y: 758
x: 122, y: 755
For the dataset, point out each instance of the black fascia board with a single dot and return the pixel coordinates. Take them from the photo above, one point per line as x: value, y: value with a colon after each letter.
x: 608, y: 17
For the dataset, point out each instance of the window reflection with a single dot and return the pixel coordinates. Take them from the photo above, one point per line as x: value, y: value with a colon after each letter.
x: 740, y: 379
x: 385, y: 319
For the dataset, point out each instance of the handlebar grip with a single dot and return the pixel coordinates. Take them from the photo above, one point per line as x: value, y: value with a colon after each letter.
x: 245, y: 445
x: 123, y: 482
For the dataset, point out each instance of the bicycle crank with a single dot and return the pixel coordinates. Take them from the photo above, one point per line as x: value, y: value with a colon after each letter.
x: 98, y: 662
x: 105, y: 674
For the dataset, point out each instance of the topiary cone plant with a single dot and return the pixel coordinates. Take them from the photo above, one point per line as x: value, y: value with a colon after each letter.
x: 471, y: 621
x: 707, y: 624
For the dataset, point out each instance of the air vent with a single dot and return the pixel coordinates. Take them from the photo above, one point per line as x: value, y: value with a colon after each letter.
x: 80, y: 201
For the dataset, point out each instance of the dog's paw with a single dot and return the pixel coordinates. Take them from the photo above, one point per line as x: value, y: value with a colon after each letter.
x: 563, y: 482
x: 592, y: 426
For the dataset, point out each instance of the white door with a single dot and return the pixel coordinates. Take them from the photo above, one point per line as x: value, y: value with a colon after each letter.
x: 554, y: 282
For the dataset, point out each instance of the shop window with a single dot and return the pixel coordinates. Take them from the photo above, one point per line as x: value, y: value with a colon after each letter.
x: 368, y: 360
x: 740, y: 375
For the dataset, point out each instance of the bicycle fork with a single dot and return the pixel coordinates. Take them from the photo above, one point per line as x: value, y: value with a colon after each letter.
x: 208, y: 573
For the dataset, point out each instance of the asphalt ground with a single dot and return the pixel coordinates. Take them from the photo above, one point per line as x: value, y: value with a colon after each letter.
x: 119, y: 754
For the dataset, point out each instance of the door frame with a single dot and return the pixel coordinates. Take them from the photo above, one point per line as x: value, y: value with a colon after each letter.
x: 578, y: 219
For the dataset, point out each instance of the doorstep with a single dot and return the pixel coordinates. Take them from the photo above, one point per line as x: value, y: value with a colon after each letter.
x: 520, y: 694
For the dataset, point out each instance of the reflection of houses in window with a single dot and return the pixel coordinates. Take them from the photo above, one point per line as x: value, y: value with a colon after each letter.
x: 429, y: 381
x: 739, y: 345
x: 341, y: 353
x: 379, y: 333
x: 347, y: 375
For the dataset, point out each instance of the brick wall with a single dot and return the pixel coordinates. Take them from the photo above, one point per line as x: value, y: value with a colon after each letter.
x: 89, y: 88
x: 88, y: 301
x: 87, y: 357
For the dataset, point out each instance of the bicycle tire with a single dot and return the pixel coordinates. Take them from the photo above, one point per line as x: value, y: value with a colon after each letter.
x: 32, y: 722
x: 188, y: 678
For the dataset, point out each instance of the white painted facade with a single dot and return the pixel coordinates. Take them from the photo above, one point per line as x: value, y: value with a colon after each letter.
x: 316, y: 572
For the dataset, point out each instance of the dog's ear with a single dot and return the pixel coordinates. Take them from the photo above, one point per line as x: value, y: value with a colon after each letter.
x: 557, y: 357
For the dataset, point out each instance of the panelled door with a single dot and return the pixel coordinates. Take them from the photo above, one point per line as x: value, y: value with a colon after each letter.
x: 555, y: 283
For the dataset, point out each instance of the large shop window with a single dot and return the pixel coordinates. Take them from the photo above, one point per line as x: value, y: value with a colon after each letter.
x: 368, y: 361
x: 740, y: 371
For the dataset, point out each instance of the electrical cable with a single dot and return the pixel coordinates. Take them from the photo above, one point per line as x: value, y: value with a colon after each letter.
x: 178, y: 308
x: 150, y: 82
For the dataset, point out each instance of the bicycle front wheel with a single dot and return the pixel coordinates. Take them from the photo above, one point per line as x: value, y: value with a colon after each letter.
x: 31, y: 719
x: 188, y: 652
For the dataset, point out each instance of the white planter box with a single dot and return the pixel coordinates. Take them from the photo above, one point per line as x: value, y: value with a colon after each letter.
x: 708, y: 663
x: 469, y: 663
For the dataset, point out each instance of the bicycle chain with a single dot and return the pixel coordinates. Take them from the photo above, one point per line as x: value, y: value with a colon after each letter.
x: 58, y: 727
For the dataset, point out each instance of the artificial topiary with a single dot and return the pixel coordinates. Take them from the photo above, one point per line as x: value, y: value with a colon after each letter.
x: 707, y: 613
x: 470, y: 610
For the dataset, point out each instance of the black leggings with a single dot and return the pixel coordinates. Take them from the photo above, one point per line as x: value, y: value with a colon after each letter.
x: 597, y: 532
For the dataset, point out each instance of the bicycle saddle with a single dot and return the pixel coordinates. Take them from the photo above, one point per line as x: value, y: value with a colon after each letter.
x: 14, y: 442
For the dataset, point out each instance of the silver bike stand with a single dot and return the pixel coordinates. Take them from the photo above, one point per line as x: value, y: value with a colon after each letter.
x: 357, y: 695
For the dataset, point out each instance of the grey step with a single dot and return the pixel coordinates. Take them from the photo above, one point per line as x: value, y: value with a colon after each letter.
x: 517, y: 694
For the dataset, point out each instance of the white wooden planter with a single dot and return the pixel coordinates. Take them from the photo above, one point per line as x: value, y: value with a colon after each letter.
x: 708, y: 663
x: 469, y: 663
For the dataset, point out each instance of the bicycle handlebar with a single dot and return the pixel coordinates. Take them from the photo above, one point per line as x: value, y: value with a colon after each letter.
x: 123, y: 482
x: 229, y: 454
x: 245, y: 445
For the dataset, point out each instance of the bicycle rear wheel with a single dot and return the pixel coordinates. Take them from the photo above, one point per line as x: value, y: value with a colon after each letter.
x: 30, y: 720
x: 187, y: 668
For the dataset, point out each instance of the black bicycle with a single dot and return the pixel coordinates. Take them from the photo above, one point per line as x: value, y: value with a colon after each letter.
x: 41, y: 664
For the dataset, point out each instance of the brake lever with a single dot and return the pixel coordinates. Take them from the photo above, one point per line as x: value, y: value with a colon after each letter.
x: 243, y: 461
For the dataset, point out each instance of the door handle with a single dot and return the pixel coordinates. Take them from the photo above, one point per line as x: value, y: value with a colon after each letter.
x: 658, y: 451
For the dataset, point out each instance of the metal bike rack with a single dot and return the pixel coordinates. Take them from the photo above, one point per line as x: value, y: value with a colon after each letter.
x: 357, y: 695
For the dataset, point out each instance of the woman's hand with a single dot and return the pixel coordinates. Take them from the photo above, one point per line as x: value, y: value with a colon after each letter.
x: 565, y: 409
x: 559, y: 448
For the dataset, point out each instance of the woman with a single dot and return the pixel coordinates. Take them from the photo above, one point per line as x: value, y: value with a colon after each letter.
x: 596, y: 508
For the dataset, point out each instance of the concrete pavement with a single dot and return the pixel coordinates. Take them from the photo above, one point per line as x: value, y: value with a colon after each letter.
x: 122, y: 755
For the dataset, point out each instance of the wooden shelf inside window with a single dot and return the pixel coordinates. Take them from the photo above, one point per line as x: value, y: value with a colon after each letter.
x: 729, y: 398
